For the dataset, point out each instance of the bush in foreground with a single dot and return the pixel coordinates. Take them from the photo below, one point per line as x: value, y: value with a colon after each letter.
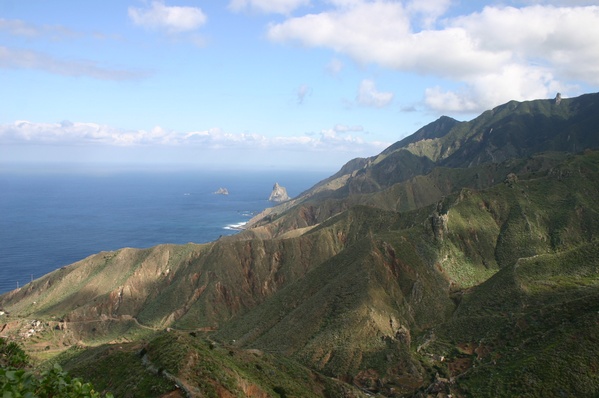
x: 16, y: 380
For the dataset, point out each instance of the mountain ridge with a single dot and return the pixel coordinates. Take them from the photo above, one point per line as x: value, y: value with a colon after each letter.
x: 484, y: 139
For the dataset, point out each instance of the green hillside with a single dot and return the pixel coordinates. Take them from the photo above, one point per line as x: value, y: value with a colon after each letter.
x: 461, y: 260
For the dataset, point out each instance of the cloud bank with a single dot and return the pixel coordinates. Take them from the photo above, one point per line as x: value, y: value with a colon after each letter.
x: 340, y: 138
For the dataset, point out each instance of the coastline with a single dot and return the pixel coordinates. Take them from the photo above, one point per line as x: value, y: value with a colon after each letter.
x: 236, y: 227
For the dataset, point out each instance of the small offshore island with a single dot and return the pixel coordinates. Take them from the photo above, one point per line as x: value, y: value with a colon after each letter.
x: 221, y: 191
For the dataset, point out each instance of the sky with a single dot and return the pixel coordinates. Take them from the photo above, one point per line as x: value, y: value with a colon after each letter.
x: 290, y: 84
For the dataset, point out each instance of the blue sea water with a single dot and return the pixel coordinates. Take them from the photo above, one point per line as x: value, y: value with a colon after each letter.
x: 48, y: 220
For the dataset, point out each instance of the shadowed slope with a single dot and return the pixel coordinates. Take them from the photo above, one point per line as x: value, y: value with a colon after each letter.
x: 191, y: 286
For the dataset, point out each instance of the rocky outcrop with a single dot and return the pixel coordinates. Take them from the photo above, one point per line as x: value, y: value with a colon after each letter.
x: 439, y: 222
x: 278, y: 194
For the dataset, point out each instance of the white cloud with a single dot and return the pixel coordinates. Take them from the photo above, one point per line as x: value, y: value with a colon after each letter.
x: 340, y: 139
x: 173, y: 19
x: 342, y: 128
x: 69, y: 133
x: 268, y: 6
x: 94, y: 145
x: 26, y: 59
x: 368, y: 95
x: 349, y: 30
x: 497, y: 54
x: 486, y: 91
x: 561, y: 3
x: 388, y: 42
x: 216, y: 138
x: 66, y: 133
x: 449, y: 101
x: 564, y: 39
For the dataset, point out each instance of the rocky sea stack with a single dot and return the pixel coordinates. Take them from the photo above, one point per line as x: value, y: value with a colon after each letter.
x: 278, y: 194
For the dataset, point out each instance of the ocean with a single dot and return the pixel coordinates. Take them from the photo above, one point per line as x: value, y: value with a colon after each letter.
x: 48, y: 220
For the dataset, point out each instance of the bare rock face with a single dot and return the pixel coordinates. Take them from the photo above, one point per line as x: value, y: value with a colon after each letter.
x: 439, y: 222
x: 278, y: 194
x: 558, y: 98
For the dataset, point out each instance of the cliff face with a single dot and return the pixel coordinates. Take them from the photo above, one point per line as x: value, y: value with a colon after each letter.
x: 278, y: 194
x: 416, y: 267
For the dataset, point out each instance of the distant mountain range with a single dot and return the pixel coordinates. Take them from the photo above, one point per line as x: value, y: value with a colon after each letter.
x: 462, y: 260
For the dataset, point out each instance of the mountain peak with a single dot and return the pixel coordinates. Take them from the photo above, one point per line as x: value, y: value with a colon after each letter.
x: 437, y: 129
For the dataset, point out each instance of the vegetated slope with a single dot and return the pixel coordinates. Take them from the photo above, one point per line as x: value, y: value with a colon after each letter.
x: 532, y: 329
x: 510, y: 131
x: 372, y: 277
x: 185, y: 364
x: 360, y: 315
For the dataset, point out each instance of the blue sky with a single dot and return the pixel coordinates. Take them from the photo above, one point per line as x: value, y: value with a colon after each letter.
x: 270, y: 83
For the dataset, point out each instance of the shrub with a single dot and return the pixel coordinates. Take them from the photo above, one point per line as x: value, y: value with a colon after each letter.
x: 17, y: 381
